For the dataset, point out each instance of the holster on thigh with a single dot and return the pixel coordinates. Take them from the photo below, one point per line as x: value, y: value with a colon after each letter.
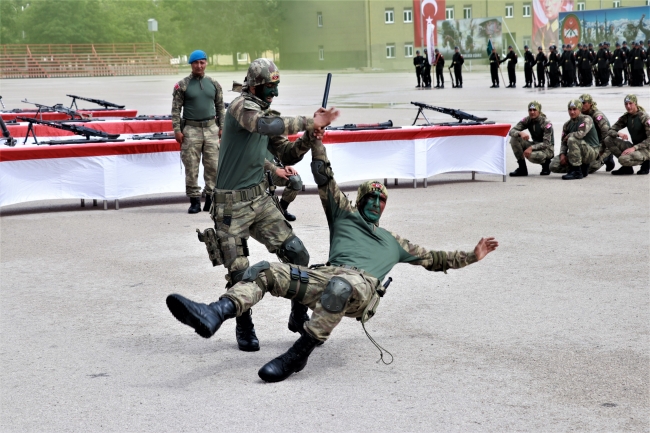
x: 231, y: 248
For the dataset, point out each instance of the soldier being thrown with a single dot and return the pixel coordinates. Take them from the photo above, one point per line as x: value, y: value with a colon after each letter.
x: 241, y: 207
x: 579, y: 144
x: 637, y: 122
x: 541, y: 150
x: 361, y: 254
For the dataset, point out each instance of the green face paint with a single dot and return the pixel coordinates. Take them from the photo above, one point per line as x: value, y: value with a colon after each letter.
x: 269, y: 91
x: 372, y: 207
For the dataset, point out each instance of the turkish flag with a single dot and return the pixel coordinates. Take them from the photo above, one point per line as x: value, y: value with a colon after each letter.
x: 423, y: 9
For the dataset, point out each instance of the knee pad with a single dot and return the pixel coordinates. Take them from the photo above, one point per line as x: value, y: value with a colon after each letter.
x: 253, y: 272
x: 336, y: 295
x: 295, y: 182
x: 321, y: 171
x: 293, y: 251
x: 236, y: 276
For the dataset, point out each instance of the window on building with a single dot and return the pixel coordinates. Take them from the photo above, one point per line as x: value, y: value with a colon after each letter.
x: 319, y: 17
x: 510, y: 11
x: 467, y: 12
x: 408, y: 15
x: 449, y: 13
x: 242, y: 57
x: 408, y: 50
x: 389, y: 16
x: 581, y: 6
x: 390, y: 51
x: 526, y: 11
x: 527, y: 40
x: 617, y: 4
x: 321, y: 53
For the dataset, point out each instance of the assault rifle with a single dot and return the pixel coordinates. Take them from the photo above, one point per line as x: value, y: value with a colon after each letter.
x: 9, y: 140
x: 363, y: 126
x: 77, y: 129
x: 54, y: 108
x: 154, y: 136
x: 107, y: 105
x: 456, y: 114
x: 143, y: 117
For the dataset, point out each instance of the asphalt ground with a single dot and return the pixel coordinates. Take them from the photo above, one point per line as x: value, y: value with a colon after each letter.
x: 549, y: 333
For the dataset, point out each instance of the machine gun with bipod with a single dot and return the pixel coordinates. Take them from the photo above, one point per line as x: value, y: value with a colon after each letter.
x: 105, y: 137
x: 6, y: 135
x: 362, y: 126
x: 107, y: 105
x: 59, y: 108
x: 154, y: 136
x: 461, y: 116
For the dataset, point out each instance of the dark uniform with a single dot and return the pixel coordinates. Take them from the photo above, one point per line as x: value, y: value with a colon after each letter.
x: 512, y: 62
x: 626, y: 69
x: 568, y: 68
x: 494, y: 68
x: 418, y: 60
x: 541, y: 61
x: 619, y: 65
x: 585, y: 67
x: 426, y: 71
x: 553, y: 66
x: 578, y: 55
x: 439, y: 62
x: 457, y: 63
x: 638, y: 57
x: 602, y: 59
x: 529, y: 61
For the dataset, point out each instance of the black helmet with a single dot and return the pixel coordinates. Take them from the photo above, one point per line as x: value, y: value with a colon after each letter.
x: 540, y: 48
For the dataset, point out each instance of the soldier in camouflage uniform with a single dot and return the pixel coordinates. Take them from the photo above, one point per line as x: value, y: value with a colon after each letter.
x: 601, y: 124
x: 201, y: 100
x: 541, y: 149
x: 579, y: 145
x: 361, y: 255
x: 241, y: 208
x: 637, y: 122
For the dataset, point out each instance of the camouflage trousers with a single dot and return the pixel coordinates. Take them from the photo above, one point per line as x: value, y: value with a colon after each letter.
x: 288, y: 194
x: 259, y: 218
x: 617, y: 146
x: 578, y: 153
x: 518, y: 145
x: 321, y: 323
x: 197, y: 142
x: 599, y: 162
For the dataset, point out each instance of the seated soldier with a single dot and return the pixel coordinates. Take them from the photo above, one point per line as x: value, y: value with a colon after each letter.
x: 637, y: 122
x: 361, y: 255
x: 601, y: 124
x: 541, y: 150
x: 579, y: 145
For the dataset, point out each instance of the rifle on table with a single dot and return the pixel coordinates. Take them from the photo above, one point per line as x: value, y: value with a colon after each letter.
x: 59, y: 108
x: 363, y: 126
x: 9, y: 140
x: 107, y: 105
x: 143, y: 117
x: 77, y: 129
x: 154, y: 136
x: 456, y: 114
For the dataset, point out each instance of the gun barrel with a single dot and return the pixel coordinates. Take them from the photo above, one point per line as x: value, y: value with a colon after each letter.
x: 101, y: 102
x: 327, y: 89
x: 77, y: 129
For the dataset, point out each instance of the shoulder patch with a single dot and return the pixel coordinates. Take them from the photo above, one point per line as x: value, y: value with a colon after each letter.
x: 581, y: 125
x: 176, y: 86
x: 549, y: 126
x: 599, y: 118
x: 524, y: 120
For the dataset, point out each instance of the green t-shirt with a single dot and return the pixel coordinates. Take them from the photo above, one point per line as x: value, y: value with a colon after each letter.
x: 199, y: 102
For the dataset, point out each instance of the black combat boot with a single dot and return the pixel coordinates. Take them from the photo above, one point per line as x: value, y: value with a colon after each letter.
x: 208, y: 203
x: 574, y: 173
x: 623, y: 170
x: 195, y: 205
x: 298, y: 317
x: 293, y: 361
x: 522, y: 170
x: 584, y: 168
x: 205, y: 319
x: 245, y: 333
x: 546, y: 170
x: 284, y: 205
x: 609, y: 163
x: 645, y: 168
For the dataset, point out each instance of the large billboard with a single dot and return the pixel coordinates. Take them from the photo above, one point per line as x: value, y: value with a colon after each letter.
x: 612, y: 25
x: 546, y: 21
x: 470, y: 36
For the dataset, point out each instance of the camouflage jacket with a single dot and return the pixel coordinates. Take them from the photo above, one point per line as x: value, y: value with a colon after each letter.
x: 638, y: 126
x: 578, y: 129
x: 601, y: 123
x: 358, y: 243
x: 541, y: 131
x: 178, y: 97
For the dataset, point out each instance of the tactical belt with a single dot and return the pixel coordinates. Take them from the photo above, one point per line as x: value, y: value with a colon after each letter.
x: 298, y: 284
x: 352, y: 268
x: 220, y: 195
x: 203, y: 124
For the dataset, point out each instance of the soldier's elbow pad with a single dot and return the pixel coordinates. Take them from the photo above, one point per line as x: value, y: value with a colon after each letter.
x: 321, y: 172
x: 270, y: 126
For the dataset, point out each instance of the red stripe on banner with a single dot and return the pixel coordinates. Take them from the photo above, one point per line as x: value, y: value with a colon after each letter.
x: 338, y: 137
x: 86, y: 150
x: 52, y: 115
x: 112, y: 127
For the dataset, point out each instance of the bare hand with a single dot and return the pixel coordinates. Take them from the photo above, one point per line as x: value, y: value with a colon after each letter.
x: 524, y: 136
x: 562, y: 159
x: 179, y: 137
x: 527, y: 152
x: 319, y: 134
x: 484, y: 247
x: 290, y: 170
x: 623, y: 136
x: 220, y: 133
x: 282, y: 173
x: 324, y: 117
x: 628, y: 150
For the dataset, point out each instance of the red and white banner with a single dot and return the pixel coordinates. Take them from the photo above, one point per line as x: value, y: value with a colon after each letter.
x: 427, y: 11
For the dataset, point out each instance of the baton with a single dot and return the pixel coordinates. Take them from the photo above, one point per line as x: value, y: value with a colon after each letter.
x: 327, y: 89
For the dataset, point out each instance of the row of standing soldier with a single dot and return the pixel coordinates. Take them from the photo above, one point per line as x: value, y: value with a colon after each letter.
x: 423, y: 69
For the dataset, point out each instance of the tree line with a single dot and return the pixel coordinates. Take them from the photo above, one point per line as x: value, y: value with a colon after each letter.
x: 215, y: 26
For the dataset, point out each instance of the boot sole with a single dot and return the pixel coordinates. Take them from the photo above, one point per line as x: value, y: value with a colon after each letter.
x: 180, y: 311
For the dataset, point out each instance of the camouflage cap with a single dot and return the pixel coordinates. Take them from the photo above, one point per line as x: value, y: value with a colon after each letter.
x: 575, y: 103
x: 370, y: 186
x: 262, y: 71
x: 586, y: 97
x: 535, y: 106
x: 631, y: 98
